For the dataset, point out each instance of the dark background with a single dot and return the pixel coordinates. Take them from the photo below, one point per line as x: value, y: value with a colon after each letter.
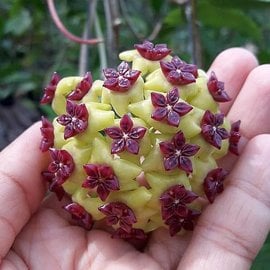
x: 31, y: 47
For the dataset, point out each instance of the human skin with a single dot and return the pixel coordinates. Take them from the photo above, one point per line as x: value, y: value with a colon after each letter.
x: 35, y: 232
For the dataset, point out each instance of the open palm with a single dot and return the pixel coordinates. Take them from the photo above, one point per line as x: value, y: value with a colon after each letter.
x: 35, y: 233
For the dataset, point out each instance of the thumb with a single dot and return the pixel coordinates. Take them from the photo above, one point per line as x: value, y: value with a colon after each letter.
x: 21, y: 186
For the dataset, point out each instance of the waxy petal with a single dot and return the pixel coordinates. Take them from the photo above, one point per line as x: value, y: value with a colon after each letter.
x: 173, y: 118
x: 178, y: 72
x: 132, y: 146
x: 47, y: 132
x: 159, y: 113
x: 122, y: 79
x: 82, y: 88
x: 137, y: 133
x: 216, y: 89
x: 172, y: 96
x: 158, y: 100
x: 210, y: 129
x: 152, y: 52
x: 101, y: 176
x: 79, y: 214
x: 126, y: 137
x: 182, y: 108
x: 76, y: 119
x: 234, y: 138
x: 114, y: 133
x: 118, y: 212
x: 49, y: 90
x: 118, y: 146
x: 213, y: 183
x: 126, y: 124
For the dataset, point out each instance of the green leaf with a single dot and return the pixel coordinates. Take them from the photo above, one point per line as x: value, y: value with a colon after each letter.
x: 243, y: 4
x: 174, y: 18
x: 234, y: 19
x: 19, y: 23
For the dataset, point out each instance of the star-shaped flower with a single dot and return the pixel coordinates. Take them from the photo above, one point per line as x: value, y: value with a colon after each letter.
x: 152, y: 52
x: 126, y: 137
x: 168, y: 108
x: 174, y: 202
x: 61, y: 167
x: 235, y: 136
x: 82, y: 88
x: 177, y: 153
x: 179, y: 72
x: 76, y: 119
x: 119, y: 213
x: 122, y: 79
x: 47, y: 132
x: 59, y: 191
x: 102, y: 177
x: 216, y: 89
x: 213, y: 183
x: 80, y: 215
x: 49, y: 90
x: 211, y: 130
x: 176, y: 223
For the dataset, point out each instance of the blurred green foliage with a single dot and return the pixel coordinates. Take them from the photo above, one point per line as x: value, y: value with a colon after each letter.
x: 31, y: 47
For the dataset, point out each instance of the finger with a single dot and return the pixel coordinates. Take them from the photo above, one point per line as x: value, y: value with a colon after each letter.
x: 252, y: 107
x: 167, y: 250
x: 232, y: 67
x: 21, y: 187
x: 232, y: 230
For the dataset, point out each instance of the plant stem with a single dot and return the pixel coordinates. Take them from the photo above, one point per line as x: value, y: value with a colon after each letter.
x: 195, y: 41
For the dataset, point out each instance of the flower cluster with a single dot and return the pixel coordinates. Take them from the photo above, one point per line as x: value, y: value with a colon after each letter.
x: 139, y: 148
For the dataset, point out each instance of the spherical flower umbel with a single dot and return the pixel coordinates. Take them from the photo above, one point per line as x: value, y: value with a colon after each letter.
x: 140, y: 149
x: 176, y: 153
x: 168, y: 108
x: 126, y: 137
x: 152, y: 52
x: 122, y: 79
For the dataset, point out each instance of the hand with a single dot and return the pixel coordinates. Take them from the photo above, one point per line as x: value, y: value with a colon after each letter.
x: 34, y: 233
